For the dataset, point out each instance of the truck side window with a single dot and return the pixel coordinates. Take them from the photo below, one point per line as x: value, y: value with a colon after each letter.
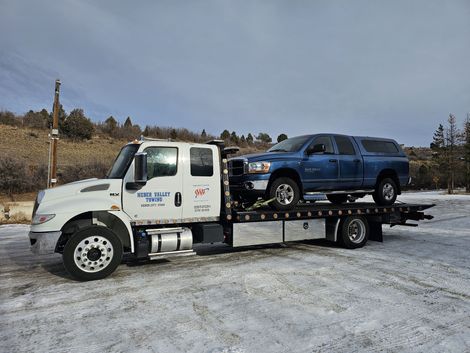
x: 201, y: 161
x: 377, y: 146
x: 344, y: 145
x: 325, y: 140
x: 161, y: 161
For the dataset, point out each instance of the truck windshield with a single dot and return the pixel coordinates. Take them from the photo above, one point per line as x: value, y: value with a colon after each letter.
x: 122, y: 162
x: 290, y: 145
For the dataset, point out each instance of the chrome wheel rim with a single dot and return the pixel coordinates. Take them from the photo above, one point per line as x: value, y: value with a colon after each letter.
x: 388, y: 191
x: 93, y: 254
x: 356, y: 231
x: 284, y: 194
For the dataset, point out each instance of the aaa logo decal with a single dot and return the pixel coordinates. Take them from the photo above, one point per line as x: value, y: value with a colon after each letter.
x: 199, y: 192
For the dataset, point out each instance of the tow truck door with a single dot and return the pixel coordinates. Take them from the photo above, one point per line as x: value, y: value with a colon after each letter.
x: 201, y: 183
x: 160, y: 199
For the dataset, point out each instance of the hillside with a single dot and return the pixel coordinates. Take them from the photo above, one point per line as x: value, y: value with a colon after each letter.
x: 32, y: 146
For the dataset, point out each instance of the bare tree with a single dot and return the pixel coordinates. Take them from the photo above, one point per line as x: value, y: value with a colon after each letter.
x: 466, y: 146
x: 452, y: 138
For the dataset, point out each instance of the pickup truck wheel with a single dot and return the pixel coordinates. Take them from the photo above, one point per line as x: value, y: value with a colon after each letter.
x: 354, y: 232
x: 285, y: 192
x: 337, y: 199
x: 92, y: 253
x: 386, y: 192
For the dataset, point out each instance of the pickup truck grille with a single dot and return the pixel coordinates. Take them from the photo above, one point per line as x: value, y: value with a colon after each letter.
x: 237, y: 167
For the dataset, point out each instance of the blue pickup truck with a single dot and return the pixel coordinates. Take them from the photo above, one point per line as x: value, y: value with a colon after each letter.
x: 341, y: 167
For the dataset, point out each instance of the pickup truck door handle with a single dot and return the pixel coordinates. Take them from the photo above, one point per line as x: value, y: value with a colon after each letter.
x: 333, y: 160
x: 178, y: 199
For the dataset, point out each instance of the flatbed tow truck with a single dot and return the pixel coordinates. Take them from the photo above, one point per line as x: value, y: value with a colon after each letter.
x: 161, y: 197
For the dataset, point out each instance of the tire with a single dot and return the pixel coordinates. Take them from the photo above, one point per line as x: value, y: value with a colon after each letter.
x: 386, y: 192
x: 337, y: 199
x: 92, y: 253
x: 286, y: 193
x: 353, y: 232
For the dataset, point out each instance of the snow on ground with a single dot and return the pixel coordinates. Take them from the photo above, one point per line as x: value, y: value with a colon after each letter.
x: 410, y: 293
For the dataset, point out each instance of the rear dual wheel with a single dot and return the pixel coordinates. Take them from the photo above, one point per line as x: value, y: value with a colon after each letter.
x: 353, y: 232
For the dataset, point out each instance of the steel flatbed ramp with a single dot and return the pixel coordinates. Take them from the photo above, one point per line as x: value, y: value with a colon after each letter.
x: 323, y: 210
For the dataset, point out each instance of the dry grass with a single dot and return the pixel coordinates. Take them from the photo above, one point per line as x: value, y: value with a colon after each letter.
x: 32, y: 145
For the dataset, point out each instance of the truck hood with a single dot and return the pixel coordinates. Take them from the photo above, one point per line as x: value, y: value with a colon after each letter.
x: 81, y: 186
x: 268, y: 156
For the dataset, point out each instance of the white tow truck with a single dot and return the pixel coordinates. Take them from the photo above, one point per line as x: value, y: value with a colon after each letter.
x: 161, y: 197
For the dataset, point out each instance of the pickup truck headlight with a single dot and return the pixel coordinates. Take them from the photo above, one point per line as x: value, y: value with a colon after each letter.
x: 259, y: 167
x: 42, y: 218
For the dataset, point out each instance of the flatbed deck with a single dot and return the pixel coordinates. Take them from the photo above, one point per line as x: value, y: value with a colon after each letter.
x: 326, y: 209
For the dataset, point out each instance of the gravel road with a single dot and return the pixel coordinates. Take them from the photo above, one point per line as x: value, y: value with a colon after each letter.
x: 410, y: 293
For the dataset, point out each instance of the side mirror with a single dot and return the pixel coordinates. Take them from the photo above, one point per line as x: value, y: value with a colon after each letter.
x: 319, y: 148
x: 140, y: 172
x: 140, y: 168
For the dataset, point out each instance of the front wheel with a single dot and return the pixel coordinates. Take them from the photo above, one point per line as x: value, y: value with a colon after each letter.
x: 386, y: 192
x: 92, y: 253
x: 285, y: 192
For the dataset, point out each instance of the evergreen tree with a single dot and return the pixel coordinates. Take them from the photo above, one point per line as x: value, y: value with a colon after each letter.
x: 173, y: 134
x: 110, y: 125
x: 78, y: 126
x: 264, y: 137
x: 249, y: 138
x: 234, y: 137
x: 438, y: 147
x: 128, y: 122
x: 281, y: 137
x: 203, y: 133
x: 225, y: 135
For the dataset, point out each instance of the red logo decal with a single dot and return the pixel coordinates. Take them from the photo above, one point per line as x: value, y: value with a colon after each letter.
x: 200, y: 192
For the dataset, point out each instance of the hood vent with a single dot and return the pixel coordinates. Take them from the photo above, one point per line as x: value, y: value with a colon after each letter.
x: 100, y: 187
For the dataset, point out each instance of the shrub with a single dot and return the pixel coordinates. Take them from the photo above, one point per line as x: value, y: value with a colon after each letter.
x: 78, y: 126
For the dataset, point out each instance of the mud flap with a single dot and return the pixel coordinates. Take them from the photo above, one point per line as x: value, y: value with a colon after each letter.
x: 375, y: 231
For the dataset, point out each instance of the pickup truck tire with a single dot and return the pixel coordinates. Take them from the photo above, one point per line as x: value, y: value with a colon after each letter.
x: 386, y: 192
x: 337, y: 199
x: 92, y: 253
x: 286, y: 194
x: 353, y: 232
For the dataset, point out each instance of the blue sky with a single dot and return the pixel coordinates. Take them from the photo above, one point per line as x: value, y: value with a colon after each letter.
x: 387, y: 68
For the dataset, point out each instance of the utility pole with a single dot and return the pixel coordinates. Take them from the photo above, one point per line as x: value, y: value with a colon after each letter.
x: 54, y: 138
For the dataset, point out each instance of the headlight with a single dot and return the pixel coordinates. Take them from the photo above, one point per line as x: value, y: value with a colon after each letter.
x: 259, y: 167
x: 42, y: 218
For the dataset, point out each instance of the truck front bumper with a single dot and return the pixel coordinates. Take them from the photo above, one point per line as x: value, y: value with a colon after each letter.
x: 43, y: 243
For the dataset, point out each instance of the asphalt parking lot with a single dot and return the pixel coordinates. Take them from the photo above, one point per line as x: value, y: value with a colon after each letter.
x: 410, y: 293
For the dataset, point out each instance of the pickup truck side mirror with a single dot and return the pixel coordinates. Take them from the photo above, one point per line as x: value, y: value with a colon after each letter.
x: 140, y: 172
x: 316, y: 148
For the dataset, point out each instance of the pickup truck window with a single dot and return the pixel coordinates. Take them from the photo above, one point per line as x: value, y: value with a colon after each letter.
x: 201, y: 161
x: 161, y: 161
x: 290, y: 145
x: 376, y: 146
x: 122, y: 162
x: 344, y: 145
x: 325, y: 140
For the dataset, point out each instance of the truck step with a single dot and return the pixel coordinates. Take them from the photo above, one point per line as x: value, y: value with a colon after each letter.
x: 164, y: 255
